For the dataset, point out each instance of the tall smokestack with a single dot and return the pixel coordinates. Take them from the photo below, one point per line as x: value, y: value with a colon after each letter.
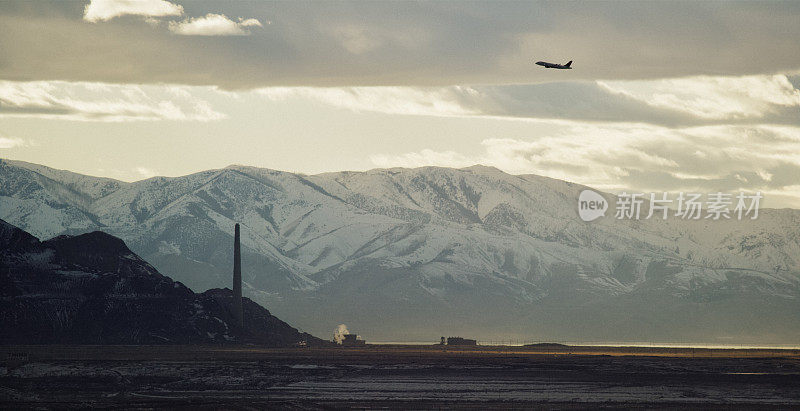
x: 237, y: 279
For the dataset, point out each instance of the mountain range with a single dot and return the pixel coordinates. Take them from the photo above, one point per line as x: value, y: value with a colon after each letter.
x: 412, y: 254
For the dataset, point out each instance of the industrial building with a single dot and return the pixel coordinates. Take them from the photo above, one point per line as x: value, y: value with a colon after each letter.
x: 461, y: 341
x: 352, y: 340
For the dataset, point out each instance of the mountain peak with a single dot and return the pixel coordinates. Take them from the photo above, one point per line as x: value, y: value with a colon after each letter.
x: 99, y: 242
x: 99, y: 250
x: 14, y: 238
x: 480, y: 168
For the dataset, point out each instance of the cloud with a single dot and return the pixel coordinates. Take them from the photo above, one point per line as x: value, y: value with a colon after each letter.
x: 640, y: 157
x: 10, y: 142
x: 213, y: 25
x: 362, y: 37
x: 102, y: 102
x: 390, y: 100
x: 104, y: 10
x: 417, y: 44
x: 356, y: 39
x: 425, y: 157
x: 667, y: 102
x: 717, y: 98
x: 209, y: 25
x: 146, y: 172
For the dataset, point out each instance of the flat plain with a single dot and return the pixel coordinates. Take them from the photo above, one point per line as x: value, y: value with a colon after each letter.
x: 397, y: 376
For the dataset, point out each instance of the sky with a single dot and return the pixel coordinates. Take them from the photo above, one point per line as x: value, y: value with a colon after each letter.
x: 663, y: 96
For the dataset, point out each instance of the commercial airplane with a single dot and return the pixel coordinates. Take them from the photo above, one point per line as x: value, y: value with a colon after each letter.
x: 555, y: 66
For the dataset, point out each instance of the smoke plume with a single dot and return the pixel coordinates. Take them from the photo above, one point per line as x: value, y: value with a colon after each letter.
x: 339, y: 332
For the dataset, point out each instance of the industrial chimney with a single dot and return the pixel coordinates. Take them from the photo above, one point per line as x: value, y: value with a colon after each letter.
x: 237, y: 279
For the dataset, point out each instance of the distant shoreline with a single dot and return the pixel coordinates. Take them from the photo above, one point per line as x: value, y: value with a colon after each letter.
x: 35, y: 353
x: 512, y: 343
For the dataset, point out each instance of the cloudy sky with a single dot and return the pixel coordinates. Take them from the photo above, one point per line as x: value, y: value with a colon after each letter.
x: 664, y: 96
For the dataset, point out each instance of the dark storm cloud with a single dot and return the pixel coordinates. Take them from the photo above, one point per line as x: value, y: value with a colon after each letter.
x: 584, y: 101
x: 403, y: 43
x: 679, y: 103
x: 9, y: 109
x: 588, y: 101
x: 795, y: 80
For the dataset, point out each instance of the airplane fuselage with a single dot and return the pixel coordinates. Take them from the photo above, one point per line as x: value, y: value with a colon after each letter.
x: 554, y: 65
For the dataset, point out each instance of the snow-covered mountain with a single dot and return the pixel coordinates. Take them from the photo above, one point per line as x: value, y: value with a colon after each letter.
x: 416, y: 253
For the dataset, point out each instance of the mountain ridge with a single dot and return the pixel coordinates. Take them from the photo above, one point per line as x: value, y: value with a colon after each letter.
x: 92, y: 289
x: 442, y: 235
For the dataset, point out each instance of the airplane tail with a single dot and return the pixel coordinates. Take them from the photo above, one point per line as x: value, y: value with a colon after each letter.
x: 568, y: 64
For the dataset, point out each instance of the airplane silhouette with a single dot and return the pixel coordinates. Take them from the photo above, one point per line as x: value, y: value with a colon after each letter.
x: 555, y: 66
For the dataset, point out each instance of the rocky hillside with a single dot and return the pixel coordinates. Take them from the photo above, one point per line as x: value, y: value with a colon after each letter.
x: 91, y: 289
